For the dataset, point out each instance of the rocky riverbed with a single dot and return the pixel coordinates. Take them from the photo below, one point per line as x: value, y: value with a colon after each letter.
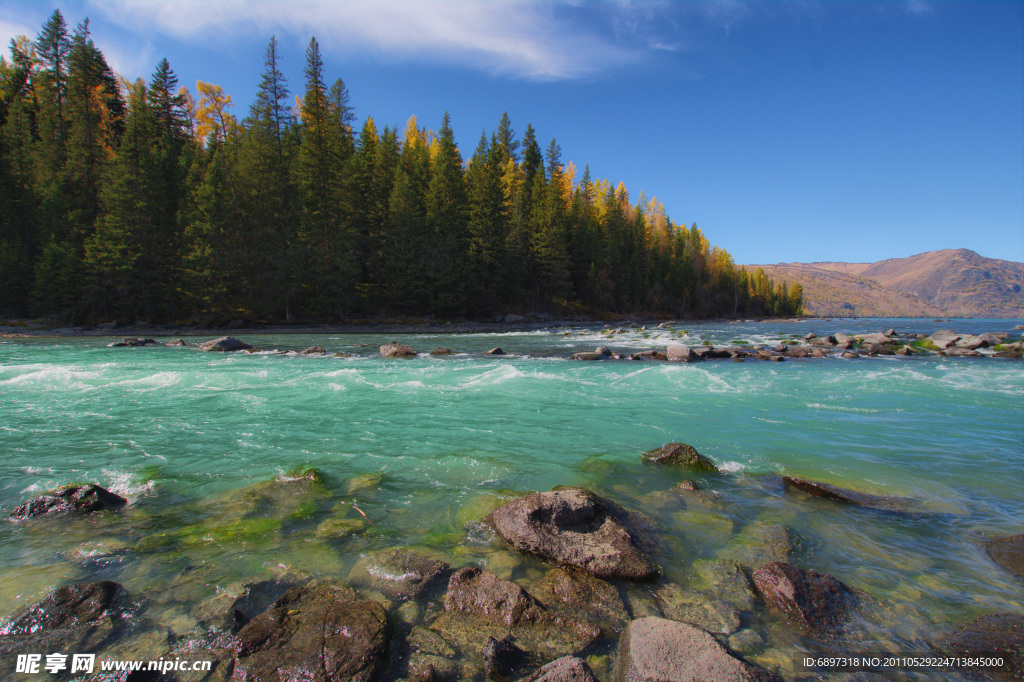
x: 466, y: 514
x: 557, y: 585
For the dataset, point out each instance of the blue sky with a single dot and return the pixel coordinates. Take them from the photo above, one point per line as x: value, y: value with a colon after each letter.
x: 788, y: 131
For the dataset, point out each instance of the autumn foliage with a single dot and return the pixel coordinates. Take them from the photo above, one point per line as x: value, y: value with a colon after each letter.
x: 143, y: 201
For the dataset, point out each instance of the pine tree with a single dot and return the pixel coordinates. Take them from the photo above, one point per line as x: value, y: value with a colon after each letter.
x: 325, y: 229
x: 549, y: 243
x: 19, y: 217
x: 265, y: 182
x: 487, y: 225
x: 407, y: 239
x: 94, y: 129
x: 53, y: 48
x: 127, y: 255
x: 507, y: 139
x: 446, y: 219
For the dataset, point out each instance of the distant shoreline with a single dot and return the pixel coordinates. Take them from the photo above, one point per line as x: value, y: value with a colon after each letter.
x: 35, y: 329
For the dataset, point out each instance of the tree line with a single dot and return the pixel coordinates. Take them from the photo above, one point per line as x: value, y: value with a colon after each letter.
x: 128, y: 201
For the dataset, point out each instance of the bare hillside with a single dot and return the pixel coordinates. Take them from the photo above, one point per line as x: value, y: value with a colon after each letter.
x: 948, y: 283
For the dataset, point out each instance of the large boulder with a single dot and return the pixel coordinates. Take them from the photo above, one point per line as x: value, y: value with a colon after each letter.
x: 944, y: 338
x: 396, y: 350
x: 479, y: 604
x: 564, y: 669
x: 816, y: 603
x: 876, y: 338
x: 574, y: 527
x: 224, y: 344
x: 670, y: 651
x: 319, y: 632
x: 829, y: 340
x: 1000, y: 635
x: 494, y: 351
x: 78, y: 499
x: 973, y: 342
x: 681, y: 354
x: 1008, y: 553
x: 705, y: 352
x: 681, y: 454
x: 888, y: 503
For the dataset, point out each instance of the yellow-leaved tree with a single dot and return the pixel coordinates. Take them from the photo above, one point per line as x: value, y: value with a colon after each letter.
x: 212, y: 117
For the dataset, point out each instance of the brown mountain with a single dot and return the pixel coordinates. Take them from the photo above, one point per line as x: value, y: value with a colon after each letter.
x: 947, y: 283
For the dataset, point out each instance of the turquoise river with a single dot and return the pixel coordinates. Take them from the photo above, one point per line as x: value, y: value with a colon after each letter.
x: 415, y: 452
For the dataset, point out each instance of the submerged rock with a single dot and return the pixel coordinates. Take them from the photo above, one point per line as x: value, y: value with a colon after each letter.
x: 71, y: 606
x: 479, y: 604
x: 727, y: 581
x: 680, y: 453
x: 494, y: 351
x: 759, y: 543
x: 564, y: 669
x: 131, y: 341
x: 1008, y: 553
x: 574, y: 527
x: 698, y: 608
x: 397, y: 573
x: 815, y: 603
x: 587, y: 355
x: 582, y: 596
x: 81, y: 617
x: 312, y: 350
x: 224, y: 344
x: 78, y: 499
x: 396, y: 350
x: 483, y: 596
x: 441, y: 350
x: 889, y: 503
x: 995, y: 635
x: 687, y: 486
x: 234, y: 606
x: 503, y: 660
x: 318, y: 632
x: 670, y: 651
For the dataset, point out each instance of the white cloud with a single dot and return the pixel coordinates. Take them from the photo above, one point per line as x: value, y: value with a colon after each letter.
x: 127, y: 61
x: 13, y: 29
x: 523, y: 39
x: 918, y: 8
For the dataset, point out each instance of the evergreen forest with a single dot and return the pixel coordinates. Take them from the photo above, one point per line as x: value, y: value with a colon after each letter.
x: 127, y: 201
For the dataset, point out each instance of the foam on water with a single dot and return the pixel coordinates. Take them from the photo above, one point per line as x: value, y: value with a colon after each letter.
x: 177, y: 430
